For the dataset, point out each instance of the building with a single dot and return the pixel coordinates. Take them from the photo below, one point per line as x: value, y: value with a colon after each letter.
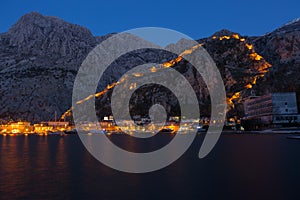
x: 276, y: 109
x: 42, y: 127
x: 57, y: 124
x: 17, y: 127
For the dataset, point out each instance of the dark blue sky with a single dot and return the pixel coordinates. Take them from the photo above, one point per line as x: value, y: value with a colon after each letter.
x: 195, y: 18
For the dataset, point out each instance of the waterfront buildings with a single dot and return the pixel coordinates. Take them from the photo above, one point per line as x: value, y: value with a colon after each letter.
x: 17, y: 127
x: 23, y: 127
x: 275, y: 109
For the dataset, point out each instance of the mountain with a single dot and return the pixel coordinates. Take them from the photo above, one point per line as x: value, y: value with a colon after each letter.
x: 239, y: 65
x: 40, y: 56
x: 39, y: 59
x: 282, y: 49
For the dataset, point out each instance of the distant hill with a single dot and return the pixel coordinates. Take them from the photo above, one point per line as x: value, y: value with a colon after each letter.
x: 40, y: 56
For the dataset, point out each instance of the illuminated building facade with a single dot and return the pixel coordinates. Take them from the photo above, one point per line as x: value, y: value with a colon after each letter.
x: 17, y: 127
x: 272, y: 109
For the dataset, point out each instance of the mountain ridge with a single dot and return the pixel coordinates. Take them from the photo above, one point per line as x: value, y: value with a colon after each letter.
x: 40, y: 56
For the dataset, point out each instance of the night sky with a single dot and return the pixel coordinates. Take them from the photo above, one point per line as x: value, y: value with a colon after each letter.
x: 195, y: 18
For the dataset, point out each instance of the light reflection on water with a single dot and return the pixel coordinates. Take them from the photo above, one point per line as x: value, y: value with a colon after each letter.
x: 240, y: 166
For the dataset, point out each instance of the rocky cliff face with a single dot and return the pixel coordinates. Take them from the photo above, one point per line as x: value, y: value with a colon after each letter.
x: 282, y: 49
x: 40, y: 56
x: 240, y: 67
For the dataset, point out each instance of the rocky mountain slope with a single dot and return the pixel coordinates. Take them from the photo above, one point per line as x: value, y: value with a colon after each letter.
x: 40, y: 56
x: 39, y: 59
x: 282, y: 49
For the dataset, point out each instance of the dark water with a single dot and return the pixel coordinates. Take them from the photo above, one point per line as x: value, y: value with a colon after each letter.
x: 240, y: 167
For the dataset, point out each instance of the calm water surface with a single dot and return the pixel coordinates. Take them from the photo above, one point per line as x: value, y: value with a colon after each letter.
x: 240, y: 167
